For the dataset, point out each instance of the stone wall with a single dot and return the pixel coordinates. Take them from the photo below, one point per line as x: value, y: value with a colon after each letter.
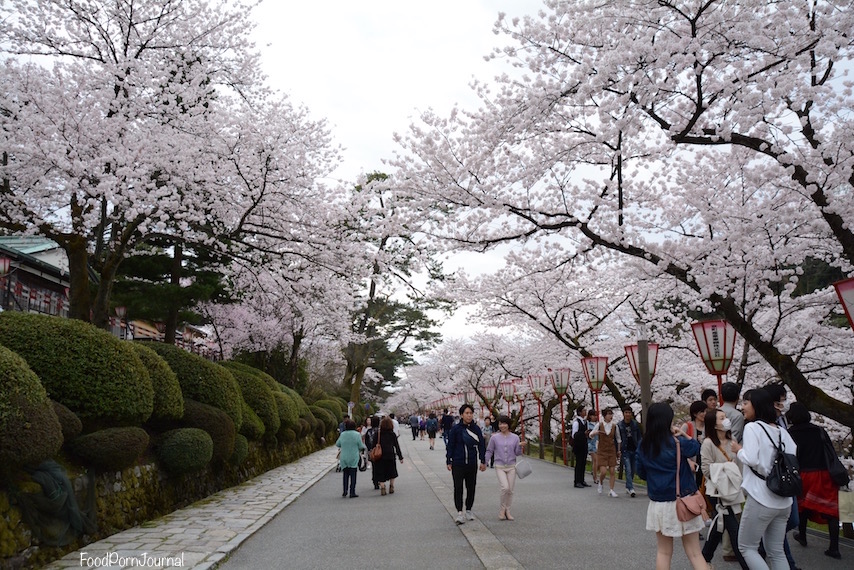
x: 131, y: 497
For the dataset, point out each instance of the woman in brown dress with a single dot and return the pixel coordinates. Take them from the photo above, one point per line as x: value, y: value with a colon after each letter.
x: 609, y: 449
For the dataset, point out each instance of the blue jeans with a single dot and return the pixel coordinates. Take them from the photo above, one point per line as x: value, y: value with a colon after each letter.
x: 760, y: 523
x: 630, y: 467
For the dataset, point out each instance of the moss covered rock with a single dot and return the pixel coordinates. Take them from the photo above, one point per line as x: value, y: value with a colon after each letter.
x: 30, y: 432
x: 97, y: 376
x: 111, y: 449
x: 71, y: 424
x: 204, y: 382
x: 168, y: 399
x: 184, y: 450
x: 252, y: 427
x: 217, y: 423
x: 259, y: 396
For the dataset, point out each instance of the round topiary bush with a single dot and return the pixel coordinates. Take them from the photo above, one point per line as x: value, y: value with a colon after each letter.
x: 111, y: 449
x: 252, y: 426
x: 305, y: 427
x: 258, y: 395
x: 71, y: 424
x: 288, y: 413
x: 203, y: 381
x: 30, y: 432
x: 245, y: 368
x: 302, y: 407
x: 214, y: 421
x: 184, y: 450
x: 334, y: 407
x: 287, y: 436
x: 241, y: 450
x: 97, y: 376
x: 330, y: 422
x: 168, y: 399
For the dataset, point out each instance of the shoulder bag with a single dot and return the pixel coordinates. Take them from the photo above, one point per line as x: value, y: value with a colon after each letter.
x: 523, y: 468
x: 377, y: 450
x: 691, y: 506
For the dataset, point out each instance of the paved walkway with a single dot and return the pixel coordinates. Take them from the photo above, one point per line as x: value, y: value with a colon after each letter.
x: 556, y: 525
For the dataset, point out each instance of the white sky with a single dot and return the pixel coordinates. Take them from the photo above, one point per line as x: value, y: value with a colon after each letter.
x: 371, y: 67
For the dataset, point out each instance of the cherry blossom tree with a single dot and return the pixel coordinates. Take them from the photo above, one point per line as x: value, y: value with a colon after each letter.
x: 704, y: 147
x: 122, y: 121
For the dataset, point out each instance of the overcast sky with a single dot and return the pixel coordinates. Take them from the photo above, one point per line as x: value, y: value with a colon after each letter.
x: 370, y: 67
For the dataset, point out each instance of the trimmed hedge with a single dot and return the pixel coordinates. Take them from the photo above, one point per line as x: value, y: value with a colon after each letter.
x: 71, y: 424
x: 168, y: 399
x: 214, y: 421
x: 252, y: 426
x: 302, y: 407
x: 334, y: 407
x: 30, y: 432
x: 288, y: 413
x: 305, y: 427
x: 288, y: 436
x: 111, y: 449
x: 241, y: 450
x: 258, y: 395
x: 245, y: 368
x: 184, y: 450
x: 87, y: 369
x: 204, y: 382
x: 330, y: 422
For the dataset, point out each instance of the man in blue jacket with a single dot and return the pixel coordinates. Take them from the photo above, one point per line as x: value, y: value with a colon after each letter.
x: 466, y: 445
x: 629, y: 439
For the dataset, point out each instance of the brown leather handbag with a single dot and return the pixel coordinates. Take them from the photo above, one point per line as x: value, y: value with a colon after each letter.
x: 377, y: 451
x: 693, y: 505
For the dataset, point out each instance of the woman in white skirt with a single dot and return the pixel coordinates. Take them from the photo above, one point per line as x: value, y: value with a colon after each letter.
x: 504, y: 447
x: 657, y: 466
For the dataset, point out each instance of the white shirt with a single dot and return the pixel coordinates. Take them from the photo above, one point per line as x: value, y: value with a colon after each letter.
x: 758, y: 452
x: 396, y: 425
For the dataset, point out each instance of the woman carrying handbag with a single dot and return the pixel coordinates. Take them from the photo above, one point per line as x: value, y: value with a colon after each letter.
x: 504, y: 447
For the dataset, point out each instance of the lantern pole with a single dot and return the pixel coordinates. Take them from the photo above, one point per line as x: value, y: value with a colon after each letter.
x: 560, y: 382
x: 537, y: 391
x: 716, y: 343
x: 644, y: 378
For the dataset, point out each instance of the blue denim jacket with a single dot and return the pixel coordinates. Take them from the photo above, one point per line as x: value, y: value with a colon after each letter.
x: 660, y: 472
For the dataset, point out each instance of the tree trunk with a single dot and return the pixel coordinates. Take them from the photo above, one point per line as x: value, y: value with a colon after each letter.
x: 79, y: 302
x: 356, y: 387
x: 293, y: 360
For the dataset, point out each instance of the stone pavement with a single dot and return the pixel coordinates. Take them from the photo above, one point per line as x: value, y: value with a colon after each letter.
x: 556, y: 525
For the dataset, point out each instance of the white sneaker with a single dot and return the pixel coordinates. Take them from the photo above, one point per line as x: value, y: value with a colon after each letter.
x: 599, y: 488
x: 469, y: 516
x: 632, y: 493
x: 460, y: 518
x: 612, y: 493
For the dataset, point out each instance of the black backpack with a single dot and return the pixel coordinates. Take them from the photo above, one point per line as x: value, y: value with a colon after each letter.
x: 784, y: 479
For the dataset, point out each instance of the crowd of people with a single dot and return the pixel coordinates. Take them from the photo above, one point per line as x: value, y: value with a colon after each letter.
x: 720, y: 458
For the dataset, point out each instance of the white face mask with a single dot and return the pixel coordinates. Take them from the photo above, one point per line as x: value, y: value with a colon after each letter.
x: 782, y: 406
x: 726, y: 424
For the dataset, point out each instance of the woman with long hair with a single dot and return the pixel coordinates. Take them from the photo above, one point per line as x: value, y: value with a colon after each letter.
x: 386, y: 468
x: 765, y: 513
x: 819, y: 500
x: 719, y: 448
x: 657, y: 466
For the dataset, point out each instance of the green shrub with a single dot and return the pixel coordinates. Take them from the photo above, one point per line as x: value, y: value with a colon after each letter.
x: 168, y: 399
x: 30, y: 432
x: 184, y: 450
x: 204, y: 382
x: 245, y: 368
x: 252, y: 426
x: 241, y: 450
x: 83, y: 367
x: 258, y: 395
x: 330, y: 422
x: 288, y: 413
x: 288, y: 436
x: 302, y: 407
x: 71, y: 424
x: 305, y: 427
x: 111, y: 449
x: 217, y: 423
x: 333, y: 406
